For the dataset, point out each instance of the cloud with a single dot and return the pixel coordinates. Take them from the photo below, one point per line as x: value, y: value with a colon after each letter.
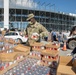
x: 23, y: 4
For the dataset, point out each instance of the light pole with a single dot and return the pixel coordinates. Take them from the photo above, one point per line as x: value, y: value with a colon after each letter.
x: 39, y: 4
x: 43, y: 4
x: 47, y: 5
x: 51, y: 6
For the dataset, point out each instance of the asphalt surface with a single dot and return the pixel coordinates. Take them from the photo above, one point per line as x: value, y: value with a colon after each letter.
x: 64, y: 53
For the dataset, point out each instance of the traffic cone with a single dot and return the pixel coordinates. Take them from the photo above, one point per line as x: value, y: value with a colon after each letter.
x: 64, y: 47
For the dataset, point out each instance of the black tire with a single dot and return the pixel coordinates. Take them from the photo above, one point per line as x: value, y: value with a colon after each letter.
x: 72, y: 44
x: 20, y: 40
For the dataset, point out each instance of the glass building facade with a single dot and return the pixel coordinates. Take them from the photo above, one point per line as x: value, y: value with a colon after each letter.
x: 50, y: 19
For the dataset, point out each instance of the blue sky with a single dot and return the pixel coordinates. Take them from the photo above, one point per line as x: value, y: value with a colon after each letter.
x: 67, y: 6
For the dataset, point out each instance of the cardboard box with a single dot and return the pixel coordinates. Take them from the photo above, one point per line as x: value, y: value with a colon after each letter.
x: 50, y: 59
x: 23, y: 53
x: 65, y: 60
x: 21, y: 48
x: 65, y: 66
x: 74, y: 63
x: 8, y: 68
x: 36, y: 49
x: 66, y: 70
x: 3, y: 71
x: 49, y: 52
x: 3, y: 32
x: 44, y: 63
x: 36, y: 46
x: 7, y: 57
x: 52, y: 46
x: 6, y: 40
x: 20, y: 60
x: 11, y: 41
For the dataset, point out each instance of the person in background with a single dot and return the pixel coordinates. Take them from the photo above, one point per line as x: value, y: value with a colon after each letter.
x: 34, y: 30
x: 54, y: 35
x: 50, y: 38
x: 59, y: 36
x: 0, y: 31
x: 73, y: 31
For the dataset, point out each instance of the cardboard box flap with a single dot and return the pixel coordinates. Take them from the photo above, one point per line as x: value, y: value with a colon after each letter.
x: 65, y: 60
x: 5, y: 57
x: 66, y: 70
x: 21, y: 48
x: 8, y: 55
x: 52, y: 46
x: 37, y: 44
x: 50, y: 52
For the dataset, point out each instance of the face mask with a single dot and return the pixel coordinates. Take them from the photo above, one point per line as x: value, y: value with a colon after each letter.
x: 30, y: 22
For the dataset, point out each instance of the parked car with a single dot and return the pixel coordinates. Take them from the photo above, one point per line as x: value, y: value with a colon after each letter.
x: 16, y: 35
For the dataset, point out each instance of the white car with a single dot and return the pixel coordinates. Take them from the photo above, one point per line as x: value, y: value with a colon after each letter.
x: 16, y: 35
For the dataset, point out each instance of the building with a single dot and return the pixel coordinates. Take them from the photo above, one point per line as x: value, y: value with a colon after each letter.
x: 15, y: 17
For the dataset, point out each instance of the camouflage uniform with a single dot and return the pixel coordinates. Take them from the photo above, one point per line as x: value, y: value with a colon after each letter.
x: 38, y: 28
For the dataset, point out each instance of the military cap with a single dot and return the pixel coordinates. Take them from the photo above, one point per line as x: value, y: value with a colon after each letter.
x: 30, y: 16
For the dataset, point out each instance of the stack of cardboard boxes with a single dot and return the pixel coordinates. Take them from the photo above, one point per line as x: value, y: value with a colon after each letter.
x: 46, y: 53
x: 11, y: 53
x: 36, y: 50
x: 50, y: 54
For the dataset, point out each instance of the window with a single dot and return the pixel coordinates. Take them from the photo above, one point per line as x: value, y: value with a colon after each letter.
x: 16, y: 34
x: 7, y: 34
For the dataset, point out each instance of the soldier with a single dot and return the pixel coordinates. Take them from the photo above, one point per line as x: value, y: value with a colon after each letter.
x: 35, y: 30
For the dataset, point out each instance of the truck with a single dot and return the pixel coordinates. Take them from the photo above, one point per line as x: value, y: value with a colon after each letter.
x: 71, y: 41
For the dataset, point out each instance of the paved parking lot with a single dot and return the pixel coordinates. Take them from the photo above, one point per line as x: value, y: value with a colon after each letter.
x: 64, y: 53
